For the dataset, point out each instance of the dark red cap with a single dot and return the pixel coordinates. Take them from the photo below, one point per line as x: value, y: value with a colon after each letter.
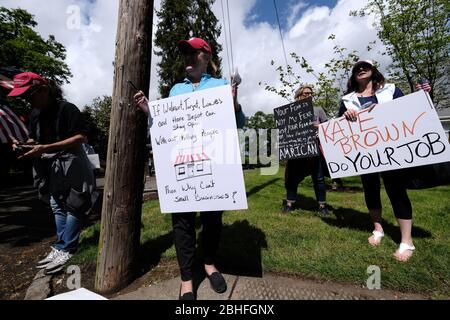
x: 194, y: 43
x: 24, y: 81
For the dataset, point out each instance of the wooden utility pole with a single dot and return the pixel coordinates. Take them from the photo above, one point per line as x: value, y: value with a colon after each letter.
x: 122, y: 198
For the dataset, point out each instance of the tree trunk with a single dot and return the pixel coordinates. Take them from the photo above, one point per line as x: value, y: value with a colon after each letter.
x: 122, y: 201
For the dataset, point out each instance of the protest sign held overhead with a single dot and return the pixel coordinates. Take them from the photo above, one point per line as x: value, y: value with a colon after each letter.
x: 297, y: 136
x: 196, y: 152
x: 402, y: 133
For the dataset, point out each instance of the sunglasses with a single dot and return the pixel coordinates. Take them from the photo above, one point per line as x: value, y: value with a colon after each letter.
x: 362, y: 67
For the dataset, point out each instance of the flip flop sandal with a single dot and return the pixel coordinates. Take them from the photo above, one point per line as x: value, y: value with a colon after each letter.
x: 402, y: 249
x: 405, y: 247
x: 377, y: 236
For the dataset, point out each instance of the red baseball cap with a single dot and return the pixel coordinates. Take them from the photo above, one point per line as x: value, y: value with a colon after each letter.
x: 194, y: 43
x: 24, y: 81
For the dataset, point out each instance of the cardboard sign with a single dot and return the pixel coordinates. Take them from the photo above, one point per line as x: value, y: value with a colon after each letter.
x: 402, y: 133
x: 297, y: 136
x: 196, y: 152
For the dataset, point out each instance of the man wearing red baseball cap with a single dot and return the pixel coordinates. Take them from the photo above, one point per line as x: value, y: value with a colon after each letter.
x: 24, y: 81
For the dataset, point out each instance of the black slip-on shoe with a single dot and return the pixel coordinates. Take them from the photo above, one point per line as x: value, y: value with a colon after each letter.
x: 218, y: 283
x: 187, y: 296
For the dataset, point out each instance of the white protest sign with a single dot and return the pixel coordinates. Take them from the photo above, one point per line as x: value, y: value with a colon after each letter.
x: 402, y: 133
x: 196, y: 152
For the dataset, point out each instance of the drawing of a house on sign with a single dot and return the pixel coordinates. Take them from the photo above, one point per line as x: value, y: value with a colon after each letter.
x: 191, y: 163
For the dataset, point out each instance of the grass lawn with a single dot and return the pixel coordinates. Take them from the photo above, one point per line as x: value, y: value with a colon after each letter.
x: 303, y: 244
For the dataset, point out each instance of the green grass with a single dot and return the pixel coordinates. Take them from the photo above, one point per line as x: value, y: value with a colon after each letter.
x: 303, y: 244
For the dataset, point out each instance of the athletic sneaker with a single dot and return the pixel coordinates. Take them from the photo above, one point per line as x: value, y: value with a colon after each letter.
x: 323, y: 212
x: 58, y: 262
x: 49, y: 258
x: 288, y: 206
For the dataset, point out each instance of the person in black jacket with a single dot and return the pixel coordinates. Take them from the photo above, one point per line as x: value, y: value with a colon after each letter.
x: 62, y: 171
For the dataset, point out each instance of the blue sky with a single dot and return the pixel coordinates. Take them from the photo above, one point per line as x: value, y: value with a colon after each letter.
x: 256, y: 42
x: 264, y: 10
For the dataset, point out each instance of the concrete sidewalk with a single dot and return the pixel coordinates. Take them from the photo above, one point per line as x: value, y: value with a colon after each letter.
x: 269, y: 287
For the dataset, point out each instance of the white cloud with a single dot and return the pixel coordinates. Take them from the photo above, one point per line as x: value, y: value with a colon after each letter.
x: 256, y: 45
x: 310, y: 20
x: 90, y: 49
x: 295, y: 9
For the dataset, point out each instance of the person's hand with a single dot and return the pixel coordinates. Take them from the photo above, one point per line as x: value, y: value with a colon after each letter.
x: 234, y: 91
x: 425, y: 87
x: 351, y: 115
x: 36, y: 150
x: 142, y: 102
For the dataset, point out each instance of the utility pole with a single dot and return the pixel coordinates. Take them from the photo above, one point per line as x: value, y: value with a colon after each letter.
x: 122, y: 198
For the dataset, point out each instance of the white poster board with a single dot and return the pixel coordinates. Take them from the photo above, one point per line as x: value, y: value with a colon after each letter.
x: 402, y: 133
x: 196, y: 152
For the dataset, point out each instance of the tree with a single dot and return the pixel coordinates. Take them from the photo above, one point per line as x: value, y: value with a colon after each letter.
x: 416, y: 34
x: 260, y: 125
x: 24, y: 48
x: 97, y: 116
x: 261, y: 120
x: 178, y: 20
x: 329, y: 84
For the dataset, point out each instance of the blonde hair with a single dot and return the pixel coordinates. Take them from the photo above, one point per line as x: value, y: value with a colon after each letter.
x: 300, y: 90
x: 212, y: 67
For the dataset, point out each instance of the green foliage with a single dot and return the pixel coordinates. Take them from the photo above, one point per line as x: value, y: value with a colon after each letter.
x: 97, y: 116
x: 303, y: 245
x: 258, y: 121
x: 261, y: 120
x: 416, y: 34
x: 180, y: 20
x: 329, y: 84
x: 24, y: 48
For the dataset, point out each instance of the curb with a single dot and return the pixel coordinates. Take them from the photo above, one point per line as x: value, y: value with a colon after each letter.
x: 40, y: 287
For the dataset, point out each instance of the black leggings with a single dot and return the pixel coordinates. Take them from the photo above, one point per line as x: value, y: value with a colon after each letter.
x: 185, y: 239
x: 395, y: 190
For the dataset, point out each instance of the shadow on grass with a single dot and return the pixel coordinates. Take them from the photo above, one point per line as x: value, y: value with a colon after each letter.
x: 349, y: 189
x: 261, y: 186
x: 239, y: 252
x: 353, y: 219
x: 150, y: 252
x: 306, y: 203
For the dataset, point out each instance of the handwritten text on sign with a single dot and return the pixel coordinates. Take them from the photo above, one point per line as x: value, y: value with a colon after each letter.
x: 297, y: 135
x: 402, y: 133
x: 196, y: 152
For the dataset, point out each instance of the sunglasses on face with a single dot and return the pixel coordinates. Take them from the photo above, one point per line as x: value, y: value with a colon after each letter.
x: 362, y: 67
